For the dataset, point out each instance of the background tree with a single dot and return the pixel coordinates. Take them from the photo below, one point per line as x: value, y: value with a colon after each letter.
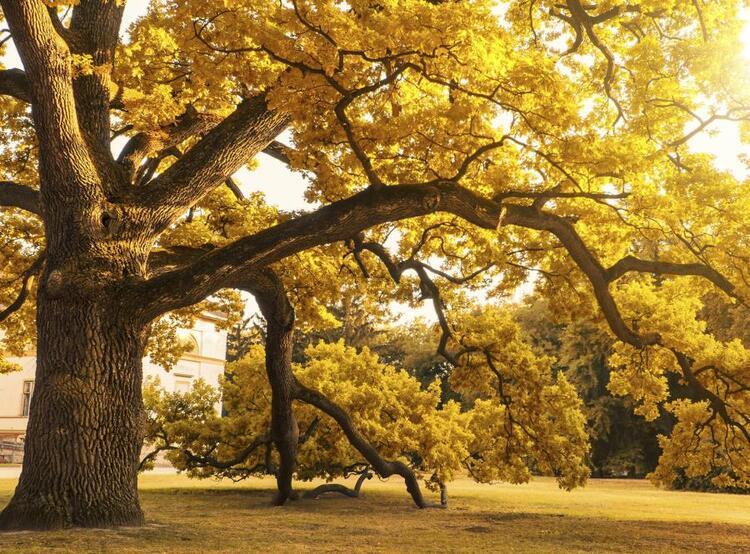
x: 410, y: 424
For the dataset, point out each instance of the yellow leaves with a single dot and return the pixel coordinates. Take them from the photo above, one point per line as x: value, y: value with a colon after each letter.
x: 519, y: 410
x: 393, y: 411
x: 641, y: 375
x: 701, y: 446
x: 8, y: 367
x: 154, y: 110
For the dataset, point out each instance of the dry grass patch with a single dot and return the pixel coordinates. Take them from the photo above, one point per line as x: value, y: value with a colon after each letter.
x: 608, y: 516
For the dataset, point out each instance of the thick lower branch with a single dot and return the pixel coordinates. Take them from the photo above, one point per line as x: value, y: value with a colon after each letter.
x: 279, y: 315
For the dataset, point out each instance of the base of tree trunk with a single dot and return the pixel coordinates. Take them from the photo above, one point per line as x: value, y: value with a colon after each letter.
x: 44, y: 515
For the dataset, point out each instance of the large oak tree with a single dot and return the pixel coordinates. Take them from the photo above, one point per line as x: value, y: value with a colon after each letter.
x: 512, y: 138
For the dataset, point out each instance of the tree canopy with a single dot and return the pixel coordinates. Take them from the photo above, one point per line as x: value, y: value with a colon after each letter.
x: 455, y: 150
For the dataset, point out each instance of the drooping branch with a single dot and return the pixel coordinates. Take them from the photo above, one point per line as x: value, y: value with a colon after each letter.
x: 384, y: 468
x: 428, y: 288
x: 272, y: 299
x: 717, y: 404
x: 14, y: 195
x: 346, y: 218
x: 217, y: 156
x: 331, y: 223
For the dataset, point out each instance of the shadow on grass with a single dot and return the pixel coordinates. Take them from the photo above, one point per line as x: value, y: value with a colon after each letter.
x: 241, y: 519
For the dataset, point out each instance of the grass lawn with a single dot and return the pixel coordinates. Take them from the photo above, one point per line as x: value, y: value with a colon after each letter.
x: 607, y: 516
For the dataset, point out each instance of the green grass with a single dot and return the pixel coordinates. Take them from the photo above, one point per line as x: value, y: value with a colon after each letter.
x: 607, y: 516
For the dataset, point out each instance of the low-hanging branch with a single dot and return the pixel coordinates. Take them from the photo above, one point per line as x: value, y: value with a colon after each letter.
x: 600, y: 279
x: 346, y: 218
x: 279, y: 314
x: 384, y: 468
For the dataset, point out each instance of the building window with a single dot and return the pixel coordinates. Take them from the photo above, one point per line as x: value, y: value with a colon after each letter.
x: 191, y: 345
x: 182, y: 384
x: 28, y: 390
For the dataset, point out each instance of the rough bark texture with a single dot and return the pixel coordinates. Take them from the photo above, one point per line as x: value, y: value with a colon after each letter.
x: 85, y: 428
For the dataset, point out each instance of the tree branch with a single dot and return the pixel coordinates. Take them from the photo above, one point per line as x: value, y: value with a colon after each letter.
x: 196, y: 460
x: 14, y: 195
x: 384, y: 468
x: 630, y: 263
x: 13, y: 82
x: 218, y: 155
x: 346, y: 218
x: 27, y: 281
x: 63, y: 153
x: 142, y: 145
x: 428, y: 288
x: 338, y: 488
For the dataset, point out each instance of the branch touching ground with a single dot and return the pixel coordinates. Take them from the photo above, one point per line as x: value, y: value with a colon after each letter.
x: 338, y: 488
x: 384, y: 468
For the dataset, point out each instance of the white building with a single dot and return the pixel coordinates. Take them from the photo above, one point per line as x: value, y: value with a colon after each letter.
x: 205, y: 360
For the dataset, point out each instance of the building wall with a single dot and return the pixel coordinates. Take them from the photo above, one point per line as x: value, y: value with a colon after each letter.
x: 206, y: 362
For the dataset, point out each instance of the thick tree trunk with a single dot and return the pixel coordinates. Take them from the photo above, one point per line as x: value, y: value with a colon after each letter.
x: 86, y: 422
x: 284, y: 429
x: 279, y: 315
